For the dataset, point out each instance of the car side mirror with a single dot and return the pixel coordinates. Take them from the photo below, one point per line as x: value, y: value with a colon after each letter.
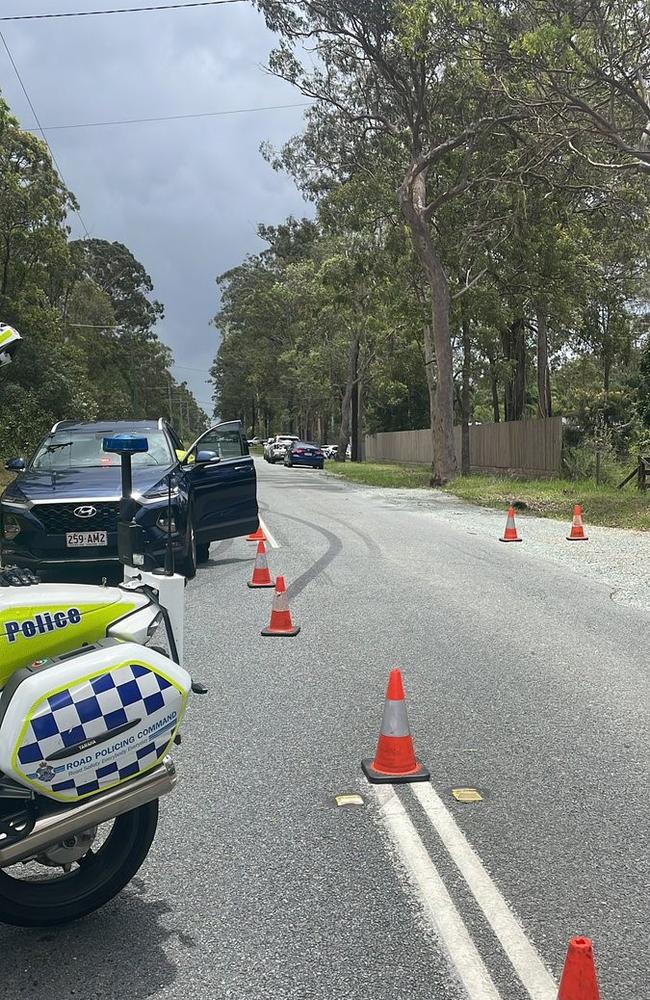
x: 16, y: 465
x: 207, y: 458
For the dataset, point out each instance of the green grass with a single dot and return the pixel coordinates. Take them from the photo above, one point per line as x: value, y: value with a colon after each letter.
x: 604, y: 505
x: 5, y: 477
x: 374, y: 474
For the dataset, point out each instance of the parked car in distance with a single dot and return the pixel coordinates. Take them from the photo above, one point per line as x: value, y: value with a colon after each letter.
x: 330, y: 450
x: 306, y: 453
x: 279, y: 445
x: 62, y: 508
x: 254, y: 441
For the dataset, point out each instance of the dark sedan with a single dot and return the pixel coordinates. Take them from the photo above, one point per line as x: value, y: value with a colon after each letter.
x: 62, y: 508
x: 305, y: 453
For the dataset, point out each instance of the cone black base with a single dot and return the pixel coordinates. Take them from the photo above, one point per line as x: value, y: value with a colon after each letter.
x: 576, y: 538
x: 379, y: 778
x: 511, y: 539
x: 260, y: 586
x: 293, y: 631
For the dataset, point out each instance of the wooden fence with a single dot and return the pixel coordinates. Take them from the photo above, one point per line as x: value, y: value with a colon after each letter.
x: 520, y: 447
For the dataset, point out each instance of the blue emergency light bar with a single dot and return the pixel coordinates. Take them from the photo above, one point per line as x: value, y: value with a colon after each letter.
x: 125, y: 444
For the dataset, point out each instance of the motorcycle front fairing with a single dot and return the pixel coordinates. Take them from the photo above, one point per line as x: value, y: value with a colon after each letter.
x: 76, y: 725
x: 85, y: 704
x: 47, y: 620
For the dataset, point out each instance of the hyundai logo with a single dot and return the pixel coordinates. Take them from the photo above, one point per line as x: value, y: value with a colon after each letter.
x: 85, y: 511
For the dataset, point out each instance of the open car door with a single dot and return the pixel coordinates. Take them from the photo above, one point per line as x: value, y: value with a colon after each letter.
x: 222, y: 483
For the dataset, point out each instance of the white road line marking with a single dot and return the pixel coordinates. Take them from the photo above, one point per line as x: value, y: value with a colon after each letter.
x: 520, y: 951
x: 269, y: 537
x: 434, y: 898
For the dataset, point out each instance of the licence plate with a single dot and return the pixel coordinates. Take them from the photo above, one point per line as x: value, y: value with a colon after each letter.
x: 85, y: 539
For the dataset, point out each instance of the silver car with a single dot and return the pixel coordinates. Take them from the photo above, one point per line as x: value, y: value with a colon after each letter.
x: 279, y: 445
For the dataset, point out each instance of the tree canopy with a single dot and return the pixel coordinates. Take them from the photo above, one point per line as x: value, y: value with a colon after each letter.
x: 480, y: 187
x: 83, y: 308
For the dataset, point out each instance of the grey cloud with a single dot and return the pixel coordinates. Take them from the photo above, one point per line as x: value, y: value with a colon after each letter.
x: 184, y: 196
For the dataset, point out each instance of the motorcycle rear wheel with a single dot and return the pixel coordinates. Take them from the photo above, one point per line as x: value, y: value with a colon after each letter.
x: 94, y: 880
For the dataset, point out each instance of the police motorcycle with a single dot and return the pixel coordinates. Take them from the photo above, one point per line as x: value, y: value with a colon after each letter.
x: 88, y: 714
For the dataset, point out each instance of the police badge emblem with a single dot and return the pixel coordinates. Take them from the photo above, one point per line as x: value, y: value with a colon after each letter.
x: 45, y: 771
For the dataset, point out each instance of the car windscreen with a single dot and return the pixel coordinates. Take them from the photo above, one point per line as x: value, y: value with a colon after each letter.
x: 80, y: 449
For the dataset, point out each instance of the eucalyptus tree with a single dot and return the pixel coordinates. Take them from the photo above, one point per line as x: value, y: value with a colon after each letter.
x: 409, y: 74
x: 587, y: 63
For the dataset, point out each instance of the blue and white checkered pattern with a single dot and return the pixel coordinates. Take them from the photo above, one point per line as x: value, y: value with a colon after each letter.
x: 91, y: 709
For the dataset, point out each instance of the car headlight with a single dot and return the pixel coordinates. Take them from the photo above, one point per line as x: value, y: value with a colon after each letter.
x: 10, y: 527
x: 16, y: 503
x: 160, y: 490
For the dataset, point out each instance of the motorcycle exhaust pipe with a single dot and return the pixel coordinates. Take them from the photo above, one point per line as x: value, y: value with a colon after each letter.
x: 57, y: 826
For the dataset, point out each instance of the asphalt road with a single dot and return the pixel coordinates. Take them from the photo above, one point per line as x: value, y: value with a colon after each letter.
x: 524, y: 679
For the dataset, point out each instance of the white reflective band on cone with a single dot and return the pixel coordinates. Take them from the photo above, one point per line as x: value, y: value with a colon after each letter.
x: 281, y: 601
x: 395, y: 721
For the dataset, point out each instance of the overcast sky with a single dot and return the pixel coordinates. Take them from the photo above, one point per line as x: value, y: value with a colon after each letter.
x: 184, y: 196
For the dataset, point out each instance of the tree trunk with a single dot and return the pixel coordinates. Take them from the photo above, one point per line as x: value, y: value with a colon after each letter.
x: 465, y: 395
x: 4, y: 287
x: 346, y: 402
x: 357, y: 449
x: 354, y: 421
x: 543, y: 376
x: 430, y: 372
x: 412, y: 197
x: 607, y: 368
x: 494, y: 386
x: 514, y: 349
x: 361, y: 443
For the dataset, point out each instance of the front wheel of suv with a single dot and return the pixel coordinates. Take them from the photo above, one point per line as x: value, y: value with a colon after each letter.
x: 202, y: 552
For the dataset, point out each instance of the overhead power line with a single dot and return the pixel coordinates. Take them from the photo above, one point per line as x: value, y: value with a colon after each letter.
x: 173, y: 118
x: 40, y: 127
x: 117, y: 10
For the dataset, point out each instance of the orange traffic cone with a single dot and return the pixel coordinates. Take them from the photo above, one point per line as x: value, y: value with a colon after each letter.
x: 395, y: 761
x: 578, y: 533
x: 579, y: 980
x: 281, y: 623
x: 510, y: 534
x: 257, y: 536
x: 261, y: 574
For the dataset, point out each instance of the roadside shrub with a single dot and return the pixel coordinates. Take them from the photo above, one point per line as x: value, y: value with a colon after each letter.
x: 580, y: 460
